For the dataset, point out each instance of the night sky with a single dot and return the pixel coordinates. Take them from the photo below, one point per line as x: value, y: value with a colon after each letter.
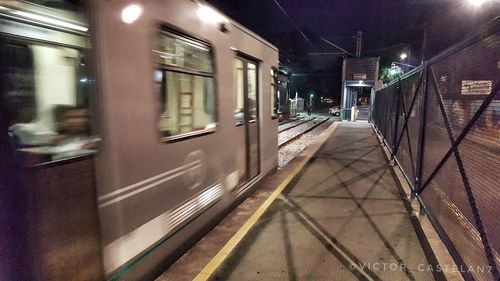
x: 388, y: 27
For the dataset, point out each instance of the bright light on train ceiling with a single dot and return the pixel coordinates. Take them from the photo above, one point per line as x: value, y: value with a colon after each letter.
x: 45, y: 19
x: 208, y: 14
x: 131, y: 13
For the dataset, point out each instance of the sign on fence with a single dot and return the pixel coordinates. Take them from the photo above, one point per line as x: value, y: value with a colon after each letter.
x: 476, y: 87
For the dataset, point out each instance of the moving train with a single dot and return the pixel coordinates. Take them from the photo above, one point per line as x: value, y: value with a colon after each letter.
x: 127, y: 130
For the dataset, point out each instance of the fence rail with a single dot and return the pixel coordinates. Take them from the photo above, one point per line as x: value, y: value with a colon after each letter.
x: 442, y: 124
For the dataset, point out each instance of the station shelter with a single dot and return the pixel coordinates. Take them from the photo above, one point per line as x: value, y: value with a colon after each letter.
x: 359, y: 84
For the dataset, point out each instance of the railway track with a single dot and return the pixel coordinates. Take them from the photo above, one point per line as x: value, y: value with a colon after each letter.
x: 289, y: 120
x: 291, y: 139
x: 296, y: 125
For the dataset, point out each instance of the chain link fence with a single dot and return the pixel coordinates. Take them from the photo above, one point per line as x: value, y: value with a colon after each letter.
x: 441, y: 122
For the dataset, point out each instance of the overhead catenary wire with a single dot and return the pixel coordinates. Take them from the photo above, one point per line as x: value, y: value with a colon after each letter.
x: 327, y: 54
x: 294, y: 24
x: 336, y: 46
x: 386, y: 48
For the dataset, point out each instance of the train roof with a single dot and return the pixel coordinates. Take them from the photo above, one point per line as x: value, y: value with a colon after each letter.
x: 243, y: 28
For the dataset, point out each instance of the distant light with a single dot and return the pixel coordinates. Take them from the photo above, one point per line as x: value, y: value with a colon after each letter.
x: 208, y: 14
x: 312, y: 95
x: 361, y: 82
x: 131, y: 13
x: 84, y: 80
x: 477, y: 3
x: 403, y: 56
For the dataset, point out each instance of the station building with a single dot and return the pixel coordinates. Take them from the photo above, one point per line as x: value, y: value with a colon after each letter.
x: 359, y: 84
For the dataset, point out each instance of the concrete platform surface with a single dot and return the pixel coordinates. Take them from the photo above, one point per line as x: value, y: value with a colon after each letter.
x: 344, y: 217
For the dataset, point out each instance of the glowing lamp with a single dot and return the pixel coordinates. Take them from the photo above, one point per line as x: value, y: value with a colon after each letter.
x: 131, y: 13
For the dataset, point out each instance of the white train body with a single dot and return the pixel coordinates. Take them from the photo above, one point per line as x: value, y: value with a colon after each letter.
x: 183, y: 102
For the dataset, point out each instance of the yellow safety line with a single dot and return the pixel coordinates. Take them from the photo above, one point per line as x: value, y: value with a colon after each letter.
x: 222, y: 255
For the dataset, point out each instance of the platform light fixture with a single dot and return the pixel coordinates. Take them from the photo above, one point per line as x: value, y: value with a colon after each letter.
x: 131, y: 13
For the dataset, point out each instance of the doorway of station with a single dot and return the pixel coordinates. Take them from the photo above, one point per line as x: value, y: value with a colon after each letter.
x: 358, y: 103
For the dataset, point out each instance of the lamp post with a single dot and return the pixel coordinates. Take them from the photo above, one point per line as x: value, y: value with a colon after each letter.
x: 424, y: 43
x: 309, y: 107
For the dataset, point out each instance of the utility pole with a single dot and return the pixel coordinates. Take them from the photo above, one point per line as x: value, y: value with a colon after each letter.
x: 424, y: 43
x: 359, y: 39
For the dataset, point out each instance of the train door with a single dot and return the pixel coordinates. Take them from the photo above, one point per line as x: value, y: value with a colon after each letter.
x: 247, y: 115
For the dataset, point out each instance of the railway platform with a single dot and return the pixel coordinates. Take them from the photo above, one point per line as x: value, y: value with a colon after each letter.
x: 338, y: 212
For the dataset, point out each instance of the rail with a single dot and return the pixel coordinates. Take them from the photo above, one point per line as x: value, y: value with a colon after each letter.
x: 289, y: 140
x: 296, y: 125
x: 289, y: 120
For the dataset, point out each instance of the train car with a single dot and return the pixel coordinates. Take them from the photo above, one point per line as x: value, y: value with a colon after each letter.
x: 128, y: 130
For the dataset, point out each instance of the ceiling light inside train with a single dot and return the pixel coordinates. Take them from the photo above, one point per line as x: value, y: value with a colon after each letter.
x: 131, y: 13
x: 208, y: 14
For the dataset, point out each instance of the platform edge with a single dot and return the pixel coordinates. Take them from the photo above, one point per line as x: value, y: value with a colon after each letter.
x: 226, y: 250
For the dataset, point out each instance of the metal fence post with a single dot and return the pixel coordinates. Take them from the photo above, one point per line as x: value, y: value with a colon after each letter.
x: 421, y: 133
x: 396, y: 119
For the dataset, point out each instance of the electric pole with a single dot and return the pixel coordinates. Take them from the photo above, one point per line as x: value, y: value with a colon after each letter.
x: 359, y: 39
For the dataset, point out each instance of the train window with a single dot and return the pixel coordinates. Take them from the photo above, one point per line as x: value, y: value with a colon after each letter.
x: 252, y: 91
x: 69, y: 5
x: 185, y: 81
x: 274, y: 93
x: 47, y: 95
x: 239, y: 95
x: 245, y: 82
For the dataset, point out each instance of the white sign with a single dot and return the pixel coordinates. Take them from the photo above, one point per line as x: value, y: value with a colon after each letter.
x: 359, y: 76
x: 476, y: 87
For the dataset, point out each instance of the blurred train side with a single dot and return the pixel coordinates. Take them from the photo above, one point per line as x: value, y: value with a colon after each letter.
x: 155, y: 196
x: 132, y: 151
